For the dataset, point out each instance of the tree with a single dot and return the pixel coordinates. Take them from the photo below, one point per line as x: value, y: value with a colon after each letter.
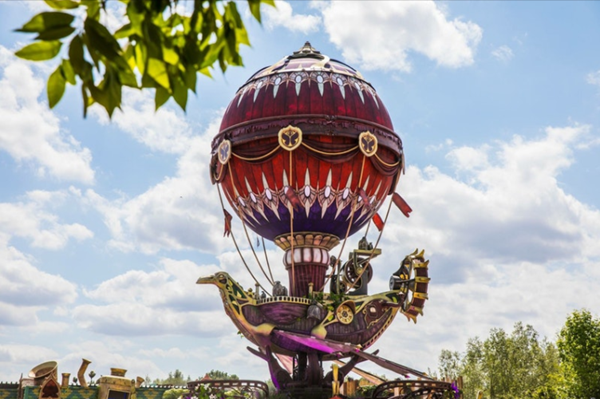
x: 579, y: 350
x: 519, y: 365
x: 175, y: 378
x: 449, y: 365
x: 163, y: 45
x: 221, y: 375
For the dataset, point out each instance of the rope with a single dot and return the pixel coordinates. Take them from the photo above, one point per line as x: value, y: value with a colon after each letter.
x: 337, y: 261
x: 291, y: 211
x: 248, y: 236
x: 267, y: 258
x: 257, y: 158
x: 368, y: 226
x: 329, y: 153
x: 238, y: 248
x: 390, y: 165
x: 374, y: 247
x: 218, y: 178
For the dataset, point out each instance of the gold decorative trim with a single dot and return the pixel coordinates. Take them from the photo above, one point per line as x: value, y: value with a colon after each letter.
x: 344, y: 314
x: 224, y: 151
x: 307, y: 239
x: 290, y: 138
x: 284, y: 299
x: 367, y: 142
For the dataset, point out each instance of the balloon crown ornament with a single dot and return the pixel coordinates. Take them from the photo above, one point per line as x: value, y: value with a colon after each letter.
x: 306, y: 155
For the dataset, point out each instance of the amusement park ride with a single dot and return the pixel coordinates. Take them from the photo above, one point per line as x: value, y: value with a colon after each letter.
x: 306, y: 156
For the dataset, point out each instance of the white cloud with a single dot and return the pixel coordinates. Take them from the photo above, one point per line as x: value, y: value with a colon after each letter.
x: 30, y: 219
x: 132, y: 306
x: 511, y: 209
x: 31, y: 354
x: 164, y: 130
x: 174, y: 353
x: 593, y: 78
x: 468, y: 158
x: 24, y: 289
x: 16, y: 359
x: 177, y: 213
x: 383, y: 33
x: 506, y: 243
x: 503, y: 53
x: 174, y: 279
x: 283, y: 16
x: 106, y: 353
x: 30, y: 132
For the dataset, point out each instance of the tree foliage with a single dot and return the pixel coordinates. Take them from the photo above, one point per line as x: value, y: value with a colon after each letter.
x: 221, y: 375
x: 503, y: 366
x: 163, y: 45
x: 175, y: 378
x: 579, y: 349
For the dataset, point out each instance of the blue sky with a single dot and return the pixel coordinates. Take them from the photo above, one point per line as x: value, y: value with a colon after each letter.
x: 106, y: 225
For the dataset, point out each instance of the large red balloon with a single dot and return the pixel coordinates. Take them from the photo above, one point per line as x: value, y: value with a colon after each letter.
x: 310, y: 135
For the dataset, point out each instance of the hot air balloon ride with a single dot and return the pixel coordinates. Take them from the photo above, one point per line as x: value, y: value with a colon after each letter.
x: 305, y: 157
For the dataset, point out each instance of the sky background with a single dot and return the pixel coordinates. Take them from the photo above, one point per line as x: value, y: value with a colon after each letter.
x: 106, y: 225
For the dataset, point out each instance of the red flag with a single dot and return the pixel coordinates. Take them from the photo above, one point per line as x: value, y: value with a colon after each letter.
x: 293, y: 198
x: 228, y: 218
x: 378, y: 222
x: 401, y: 204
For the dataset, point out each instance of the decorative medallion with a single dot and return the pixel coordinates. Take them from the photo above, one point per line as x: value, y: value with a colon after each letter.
x: 367, y: 142
x: 344, y: 314
x: 224, y: 151
x: 290, y: 138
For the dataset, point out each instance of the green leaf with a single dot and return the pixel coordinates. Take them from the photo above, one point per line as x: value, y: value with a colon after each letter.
x: 129, y: 55
x: 67, y: 71
x: 56, y: 33
x: 255, y: 9
x: 108, y: 92
x: 56, y: 86
x: 242, y: 36
x: 180, y: 91
x: 147, y: 82
x: 93, y: 8
x: 76, y: 54
x: 140, y: 57
x: 87, y: 98
x: 101, y: 40
x: 190, y: 76
x: 160, y: 97
x: 113, y: 87
x: 46, y: 21
x: 127, y: 77
x: 157, y: 70
x: 206, y: 72
x: 40, y: 51
x: 92, y: 50
x: 62, y: 4
x: 170, y: 56
x: 124, y: 31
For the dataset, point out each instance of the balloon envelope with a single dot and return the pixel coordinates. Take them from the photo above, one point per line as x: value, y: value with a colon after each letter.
x: 306, y: 136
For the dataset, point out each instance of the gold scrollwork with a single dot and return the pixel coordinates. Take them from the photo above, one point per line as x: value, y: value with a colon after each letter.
x: 367, y: 142
x: 290, y: 138
x: 224, y: 151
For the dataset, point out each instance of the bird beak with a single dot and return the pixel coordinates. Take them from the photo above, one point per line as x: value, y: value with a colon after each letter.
x: 206, y: 280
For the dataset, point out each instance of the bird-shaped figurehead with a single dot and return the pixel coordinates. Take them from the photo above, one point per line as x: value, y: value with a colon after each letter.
x: 235, y: 298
